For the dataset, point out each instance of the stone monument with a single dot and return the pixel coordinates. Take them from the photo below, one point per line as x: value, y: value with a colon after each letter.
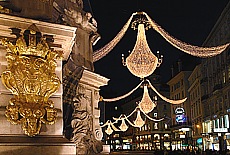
x: 60, y: 26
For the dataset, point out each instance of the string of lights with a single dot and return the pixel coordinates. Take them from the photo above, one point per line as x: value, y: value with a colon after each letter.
x: 123, y: 96
x: 164, y: 98
x: 98, y: 54
x: 197, y: 51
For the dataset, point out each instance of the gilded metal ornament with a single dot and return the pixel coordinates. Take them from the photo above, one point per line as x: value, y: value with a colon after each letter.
x: 30, y: 76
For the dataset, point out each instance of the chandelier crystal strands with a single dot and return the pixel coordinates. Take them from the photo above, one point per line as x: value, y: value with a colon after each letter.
x: 152, y: 87
x: 141, y: 62
x: 146, y: 104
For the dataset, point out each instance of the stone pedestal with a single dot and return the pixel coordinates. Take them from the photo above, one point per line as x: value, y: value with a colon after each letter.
x: 89, y: 85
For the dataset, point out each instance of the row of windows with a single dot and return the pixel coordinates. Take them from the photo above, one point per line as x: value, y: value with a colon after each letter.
x: 152, y: 137
x: 195, y: 93
x: 155, y: 126
x: 179, y: 96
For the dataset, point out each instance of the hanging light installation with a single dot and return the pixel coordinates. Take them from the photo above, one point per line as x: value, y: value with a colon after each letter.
x: 141, y: 62
x: 146, y: 104
x: 110, y: 127
x: 139, y: 122
x: 202, y: 52
x: 152, y: 87
x: 123, y: 125
x: 109, y: 130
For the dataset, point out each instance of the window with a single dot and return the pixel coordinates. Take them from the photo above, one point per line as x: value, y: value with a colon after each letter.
x: 226, y: 121
x: 182, y: 93
x: 224, y: 78
x: 182, y: 82
x: 165, y: 108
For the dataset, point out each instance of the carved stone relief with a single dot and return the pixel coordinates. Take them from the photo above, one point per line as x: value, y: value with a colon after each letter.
x: 82, y: 124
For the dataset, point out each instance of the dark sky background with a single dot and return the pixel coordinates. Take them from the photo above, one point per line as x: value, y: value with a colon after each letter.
x: 188, y: 20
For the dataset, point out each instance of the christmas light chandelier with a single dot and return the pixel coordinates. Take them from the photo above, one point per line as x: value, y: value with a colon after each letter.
x: 141, y: 62
x: 197, y: 51
x: 138, y: 122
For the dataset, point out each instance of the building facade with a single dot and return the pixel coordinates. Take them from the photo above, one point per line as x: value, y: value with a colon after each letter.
x: 196, y: 106
x: 180, y: 114
x: 215, y: 87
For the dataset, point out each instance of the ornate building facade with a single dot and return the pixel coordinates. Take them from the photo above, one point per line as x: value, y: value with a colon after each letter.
x: 215, y: 87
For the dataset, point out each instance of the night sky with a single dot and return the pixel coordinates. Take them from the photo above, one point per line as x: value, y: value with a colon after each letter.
x: 187, y: 20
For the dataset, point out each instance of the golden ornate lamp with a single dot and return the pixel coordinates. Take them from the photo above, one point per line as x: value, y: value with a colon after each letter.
x: 30, y: 76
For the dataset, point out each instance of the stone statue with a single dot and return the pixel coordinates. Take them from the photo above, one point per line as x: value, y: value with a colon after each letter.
x: 81, y: 123
x: 86, y: 33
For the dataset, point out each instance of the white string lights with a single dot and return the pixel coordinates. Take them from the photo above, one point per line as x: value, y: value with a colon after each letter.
x: 202, y: 52
x: 138, y: 122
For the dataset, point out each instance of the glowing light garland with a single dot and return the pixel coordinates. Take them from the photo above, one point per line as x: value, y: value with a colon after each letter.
x: 110, y: 127
x: 123, y: 96
x: 142, y: 63
x: 98, y: 54
x: 164, y: 98
x: 139, y: 122
x: 202, y: 52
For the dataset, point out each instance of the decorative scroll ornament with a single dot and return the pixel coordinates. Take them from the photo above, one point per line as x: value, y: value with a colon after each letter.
x: 142, y: 62
x: 30, y: 76
x: 146, y: 104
